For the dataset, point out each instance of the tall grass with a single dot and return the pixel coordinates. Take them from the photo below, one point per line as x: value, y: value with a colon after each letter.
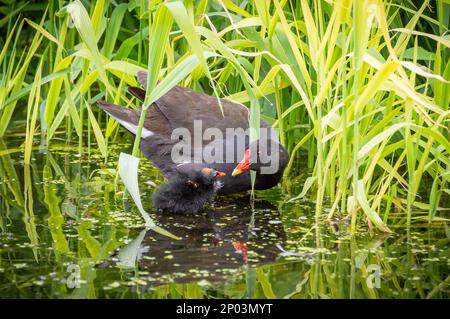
x: 361, y: 87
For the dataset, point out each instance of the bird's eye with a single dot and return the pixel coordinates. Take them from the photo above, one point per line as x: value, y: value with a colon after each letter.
x: 219, y: 174
x: 180, y: 137
x: 192, y: 184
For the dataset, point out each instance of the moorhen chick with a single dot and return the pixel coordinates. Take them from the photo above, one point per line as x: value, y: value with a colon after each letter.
x: 188, y: 192
x: 181, y: 110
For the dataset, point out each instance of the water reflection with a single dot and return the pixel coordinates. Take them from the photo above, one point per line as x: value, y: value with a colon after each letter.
x: 213, y: 244
x: 65, y: 211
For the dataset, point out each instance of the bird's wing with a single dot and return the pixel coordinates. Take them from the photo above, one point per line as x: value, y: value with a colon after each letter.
x: 156, y: 143
x: 137, y: 92
x: 142, y: 79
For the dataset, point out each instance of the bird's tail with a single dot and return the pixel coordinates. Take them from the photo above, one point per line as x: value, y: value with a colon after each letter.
x: 136, y: 91
x: 128, y: 118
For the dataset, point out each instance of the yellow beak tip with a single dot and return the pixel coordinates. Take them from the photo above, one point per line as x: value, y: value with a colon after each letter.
x: 236, y: 172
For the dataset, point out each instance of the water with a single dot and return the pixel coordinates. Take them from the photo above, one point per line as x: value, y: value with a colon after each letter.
x: 67, y: 232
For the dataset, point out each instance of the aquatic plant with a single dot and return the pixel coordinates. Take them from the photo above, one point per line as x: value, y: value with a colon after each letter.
x: 359, y: 87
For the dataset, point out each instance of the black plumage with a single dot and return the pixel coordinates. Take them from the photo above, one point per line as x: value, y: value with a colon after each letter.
x: 188, y: 192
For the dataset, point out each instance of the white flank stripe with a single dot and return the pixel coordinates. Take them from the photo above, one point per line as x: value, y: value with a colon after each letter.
x: 133, y: 128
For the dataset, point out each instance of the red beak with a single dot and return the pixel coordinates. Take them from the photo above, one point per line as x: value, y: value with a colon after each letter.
x: 244, y: 165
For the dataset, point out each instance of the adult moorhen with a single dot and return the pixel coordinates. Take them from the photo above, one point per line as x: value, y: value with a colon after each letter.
x: 181, y: 114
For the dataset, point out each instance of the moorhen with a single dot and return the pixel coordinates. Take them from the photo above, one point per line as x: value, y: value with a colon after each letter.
x: 188, y: 192
x: 214, y: 242
x: 181, y: 114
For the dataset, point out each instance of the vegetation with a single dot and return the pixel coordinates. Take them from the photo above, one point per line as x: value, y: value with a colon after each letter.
x: 361, y: 87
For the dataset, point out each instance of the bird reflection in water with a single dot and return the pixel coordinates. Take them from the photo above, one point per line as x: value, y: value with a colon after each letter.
x: 215, y: 242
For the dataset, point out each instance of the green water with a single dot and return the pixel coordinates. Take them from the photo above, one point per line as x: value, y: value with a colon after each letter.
x: 66, y: 231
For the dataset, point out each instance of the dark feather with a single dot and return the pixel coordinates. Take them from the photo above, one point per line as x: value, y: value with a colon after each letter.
x: 142, y: 78
x: 179, y: 196
x: 179, y: 108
